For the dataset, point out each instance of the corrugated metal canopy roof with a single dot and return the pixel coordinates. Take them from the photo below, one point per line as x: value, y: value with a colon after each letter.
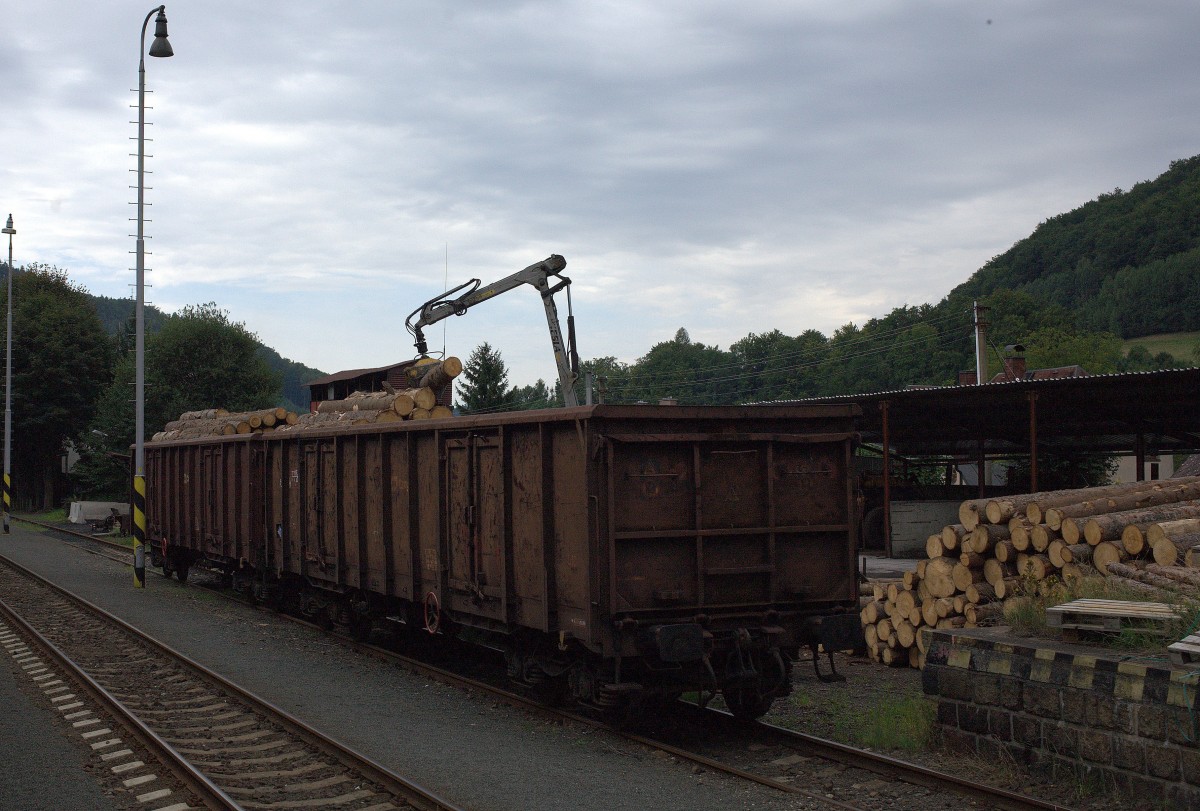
x: 1096, y: 414
x: 350, y: 374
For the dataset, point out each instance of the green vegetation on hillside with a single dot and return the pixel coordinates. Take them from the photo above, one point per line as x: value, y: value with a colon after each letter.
x: 293, y: 374
x: 117, y: 316
x: 1184, y: 346
x: 197, y: 360
x: 1127, y: 262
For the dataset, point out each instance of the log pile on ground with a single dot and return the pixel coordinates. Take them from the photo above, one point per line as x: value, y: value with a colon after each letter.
x: 359, y: 408
x: 1144, y: 535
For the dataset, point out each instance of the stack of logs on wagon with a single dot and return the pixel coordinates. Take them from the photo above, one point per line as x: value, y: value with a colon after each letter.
x: 1145, y: 535
x: 359, y: 408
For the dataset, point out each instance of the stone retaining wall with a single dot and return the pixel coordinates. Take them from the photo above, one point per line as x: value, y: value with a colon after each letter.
x: 1123, y: 722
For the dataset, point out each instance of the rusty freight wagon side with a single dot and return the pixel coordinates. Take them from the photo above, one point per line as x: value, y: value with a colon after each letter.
x: 610, y: 551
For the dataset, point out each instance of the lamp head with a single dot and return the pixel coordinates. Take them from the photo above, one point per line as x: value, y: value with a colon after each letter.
x: 8, y: 229
x: 160, y: 46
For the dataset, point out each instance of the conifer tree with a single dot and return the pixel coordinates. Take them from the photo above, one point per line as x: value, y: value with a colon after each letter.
x: 484, y: 385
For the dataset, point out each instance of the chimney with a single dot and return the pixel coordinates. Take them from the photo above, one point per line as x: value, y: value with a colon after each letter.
x: 966, y: 378
x: 1014, y: 364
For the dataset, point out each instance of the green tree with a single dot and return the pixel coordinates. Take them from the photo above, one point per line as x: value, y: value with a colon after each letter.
x: 199, y: 359
x: 527, y: 398
x: 610, y: 378
x: 1097, y: 353
x: 62, y: 360
x: 775, y: 366
x: 484, y: 384
x: 1139, y: 359
x: 692, y: 373
x: 1057, y: 472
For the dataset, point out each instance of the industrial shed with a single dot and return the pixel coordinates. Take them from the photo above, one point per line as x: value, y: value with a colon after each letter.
x: 1137, y: 414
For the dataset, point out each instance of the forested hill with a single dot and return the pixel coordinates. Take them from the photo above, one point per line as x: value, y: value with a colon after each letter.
x: 1127, y: 262
x: 117, y: 317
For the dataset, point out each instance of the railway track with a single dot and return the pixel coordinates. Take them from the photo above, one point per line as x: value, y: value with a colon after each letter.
x: 893, y: 768
x: 232, y: 749
x: 888, y: 768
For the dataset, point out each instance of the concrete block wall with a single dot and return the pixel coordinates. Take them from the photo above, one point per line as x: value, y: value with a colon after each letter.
x: 1127, y: 724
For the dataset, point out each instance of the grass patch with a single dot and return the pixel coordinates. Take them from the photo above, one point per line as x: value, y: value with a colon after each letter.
x: 59, y: 516
x: 906, y: 725
x: 881, y: 721
x: 55, y: 516
x: 1181, y: 345
x: 1026, y: 614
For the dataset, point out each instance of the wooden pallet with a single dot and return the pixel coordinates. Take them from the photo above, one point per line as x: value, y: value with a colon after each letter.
x: 1110, y: 617
x: 1186, y: 651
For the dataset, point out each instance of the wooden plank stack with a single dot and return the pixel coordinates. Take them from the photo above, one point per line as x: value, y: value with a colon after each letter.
x: 1186, y: 651
x: 1110, y: 616
x: 359, y: 408
x: 1145, y: 535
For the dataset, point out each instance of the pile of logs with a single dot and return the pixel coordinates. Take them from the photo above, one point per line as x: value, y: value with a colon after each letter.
x: 1144, y: 535
x: 219, y: 422
x: 359, y: 408
x: 364, y: 408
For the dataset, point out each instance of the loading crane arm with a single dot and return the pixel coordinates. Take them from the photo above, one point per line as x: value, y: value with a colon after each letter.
x: 539, y: 276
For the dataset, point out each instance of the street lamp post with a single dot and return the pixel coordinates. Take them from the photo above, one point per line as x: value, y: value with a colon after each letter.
x: 8, y: 229
x: 160, y: 47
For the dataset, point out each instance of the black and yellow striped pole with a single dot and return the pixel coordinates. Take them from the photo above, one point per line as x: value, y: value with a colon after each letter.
x: 160, y: 47
x: 139, y: 532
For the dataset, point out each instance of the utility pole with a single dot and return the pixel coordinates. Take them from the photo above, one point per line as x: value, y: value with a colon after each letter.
x: 981, y: 367
x: 8, y: 229
x: 981, y: 326
x: 161, y: 48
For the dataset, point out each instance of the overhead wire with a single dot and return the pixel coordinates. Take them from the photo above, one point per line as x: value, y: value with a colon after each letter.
x: 633, y: 384
x: 627, y: 387
x: 859, y: 339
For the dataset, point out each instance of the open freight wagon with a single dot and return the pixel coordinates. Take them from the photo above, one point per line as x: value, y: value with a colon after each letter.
x: 612, y: 552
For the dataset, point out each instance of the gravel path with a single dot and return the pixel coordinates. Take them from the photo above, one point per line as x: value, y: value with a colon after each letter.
x: 43, y: 767
x: 484, y: 755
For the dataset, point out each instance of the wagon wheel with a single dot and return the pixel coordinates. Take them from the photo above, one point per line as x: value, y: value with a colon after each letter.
x: 757, y: 678
x: 433, y: 613
x: 747, y: 703
x: 361, y: 622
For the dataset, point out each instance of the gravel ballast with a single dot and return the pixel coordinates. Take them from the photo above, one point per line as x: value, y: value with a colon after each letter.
x: 464, y: 746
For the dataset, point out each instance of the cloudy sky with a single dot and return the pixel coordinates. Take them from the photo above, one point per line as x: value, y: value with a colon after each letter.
x: 320, y: 169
